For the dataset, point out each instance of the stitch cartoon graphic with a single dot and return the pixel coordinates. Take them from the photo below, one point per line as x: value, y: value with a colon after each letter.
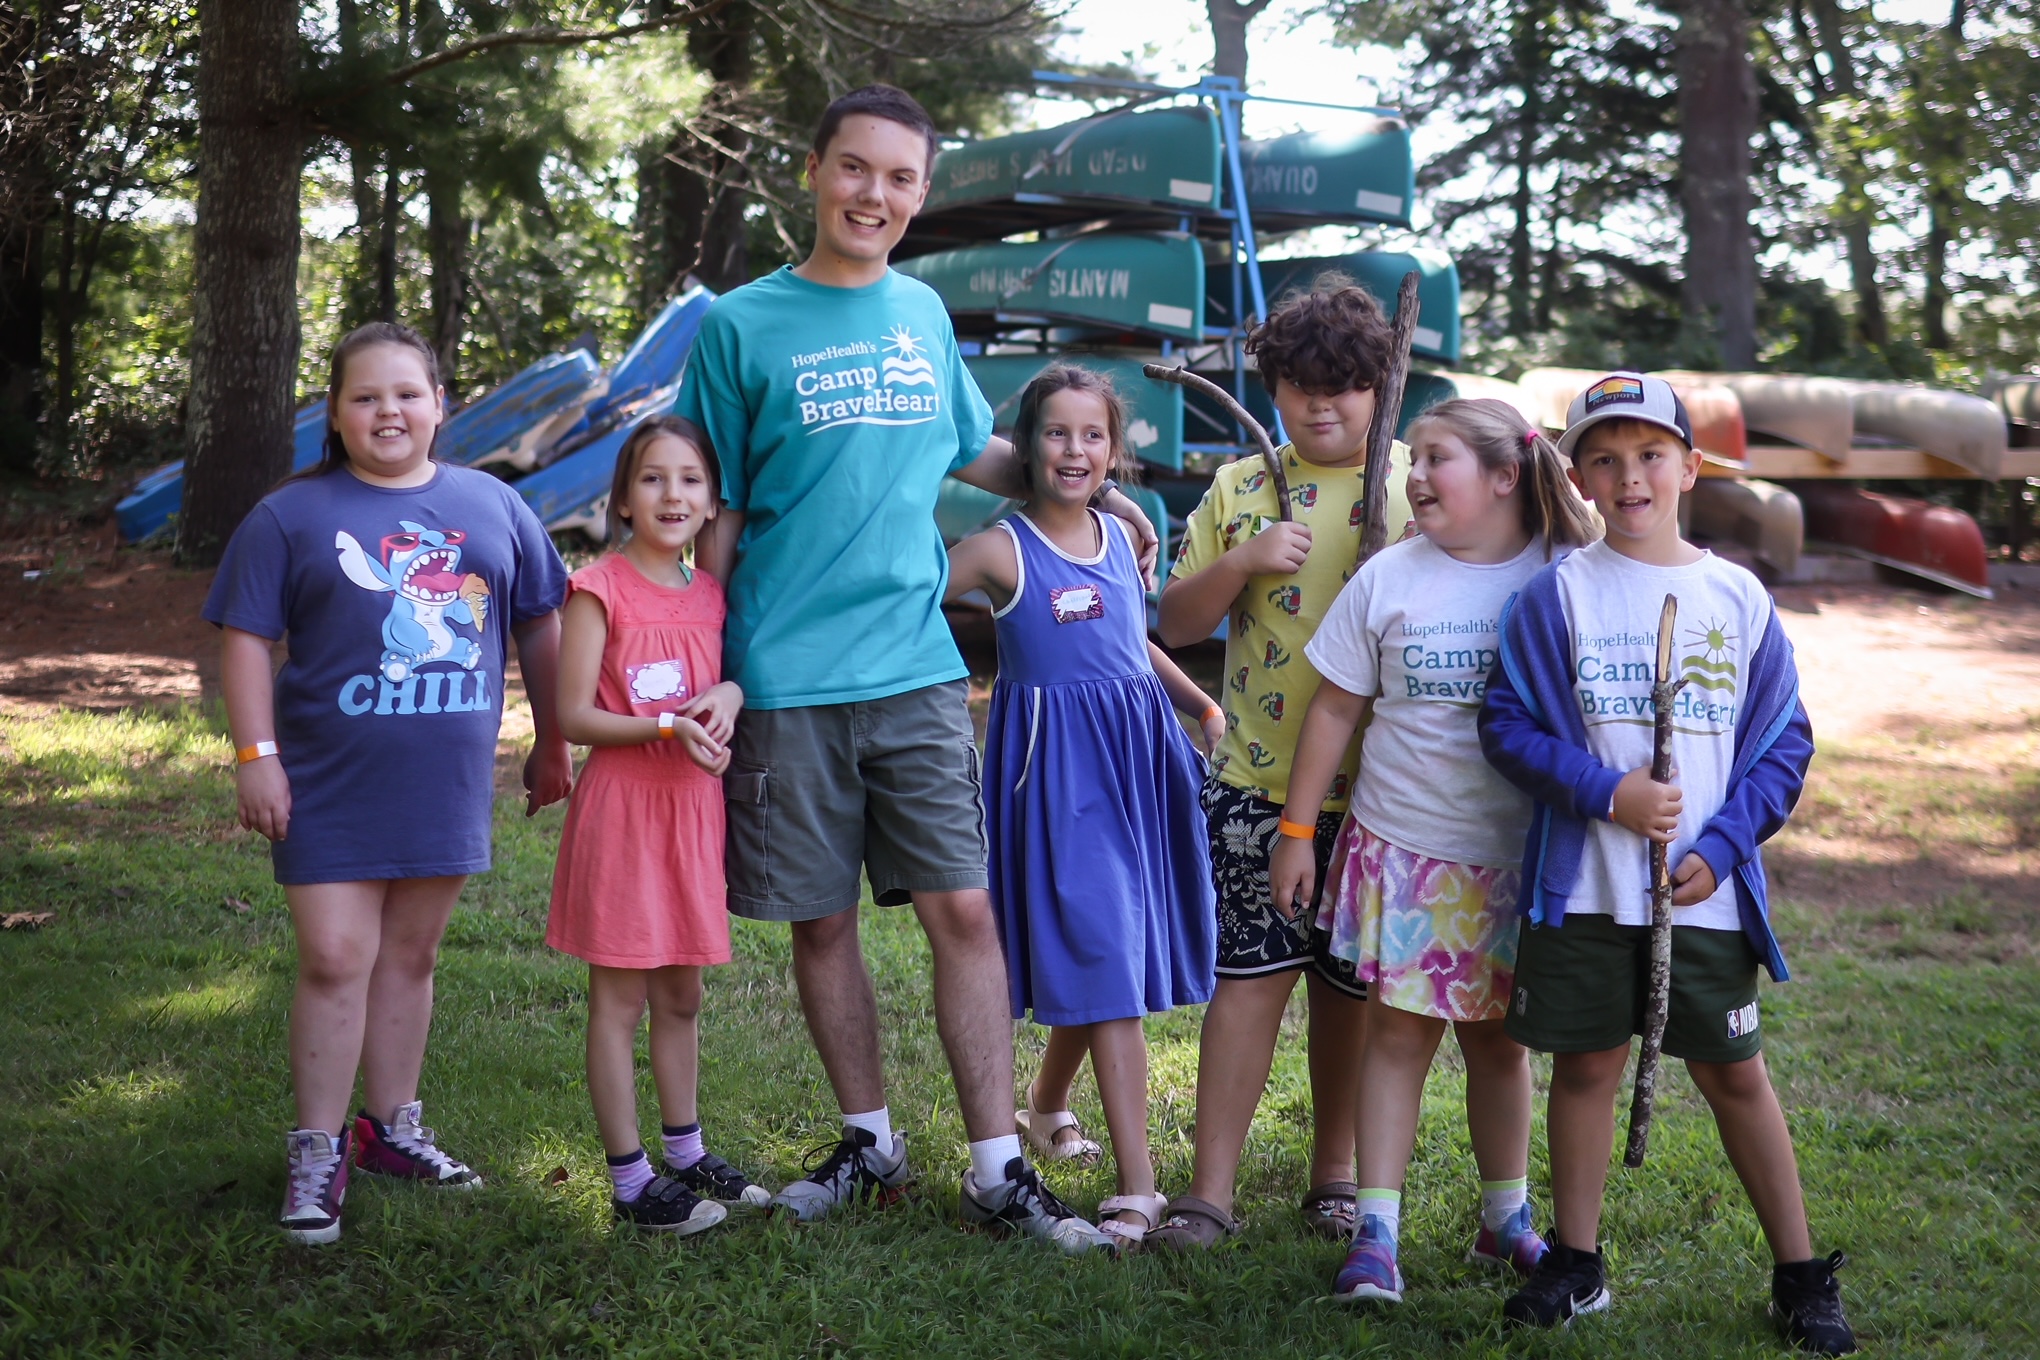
x: 1274, y: 657
x: 421, y: 568
x: 1254, y: 482
x: 1259, y: 756
x: 1238, y: 683
x: 1244, y: 623
x: 1288, y: 599
x: 1233, y: 527
x: 1304, y: 496
x: 1272, y: 704
x: 1354, y: 520
x: 1219, y: 762
x: 1340, y: 785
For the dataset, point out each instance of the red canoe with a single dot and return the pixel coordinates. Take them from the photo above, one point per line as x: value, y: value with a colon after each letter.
x: 1929, y: 541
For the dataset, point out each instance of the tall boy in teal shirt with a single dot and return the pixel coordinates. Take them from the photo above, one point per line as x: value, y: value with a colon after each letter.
x: 836, y: 400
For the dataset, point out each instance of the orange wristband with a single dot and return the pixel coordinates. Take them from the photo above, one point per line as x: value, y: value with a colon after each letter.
x: 1208, y: 714
x: 666, y: 729
x: 1296, y: 830
x: 255, y: 752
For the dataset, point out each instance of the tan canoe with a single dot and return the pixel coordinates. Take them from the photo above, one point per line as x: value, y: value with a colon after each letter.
x: 1814, y: 413
x: 1761, y: 516
x: 1967, y: 431
x: 1716, y: 413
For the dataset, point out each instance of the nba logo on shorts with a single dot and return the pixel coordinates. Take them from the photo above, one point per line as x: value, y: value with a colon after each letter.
x: 1742, y: 1020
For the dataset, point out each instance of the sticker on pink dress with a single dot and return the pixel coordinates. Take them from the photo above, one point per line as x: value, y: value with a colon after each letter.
x: 657, y: 680
x: 1073, y: 604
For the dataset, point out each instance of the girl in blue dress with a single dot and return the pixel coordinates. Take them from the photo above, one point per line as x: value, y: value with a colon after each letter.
x: 1100, y: 867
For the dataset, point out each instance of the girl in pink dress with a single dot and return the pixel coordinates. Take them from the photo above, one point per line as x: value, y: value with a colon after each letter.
x: 638, y: 889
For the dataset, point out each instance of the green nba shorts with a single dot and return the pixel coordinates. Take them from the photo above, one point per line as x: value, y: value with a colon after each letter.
x: 1580, y: 988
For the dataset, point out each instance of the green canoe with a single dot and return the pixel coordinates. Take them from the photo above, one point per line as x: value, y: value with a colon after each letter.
x: 1031, y: 180
x: 962, y: 510
x: 1205, y: 422
x: 1361, y: 173
x: 1380, y: 272
x: 1146, y: 283
x: 1154, y: 411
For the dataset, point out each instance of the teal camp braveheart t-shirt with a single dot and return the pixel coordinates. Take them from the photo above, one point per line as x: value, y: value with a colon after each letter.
x: 836, y: 413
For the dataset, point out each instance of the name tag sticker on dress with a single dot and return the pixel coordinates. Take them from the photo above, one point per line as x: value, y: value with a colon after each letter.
x: 1073, y: 604
x: 657, y: 680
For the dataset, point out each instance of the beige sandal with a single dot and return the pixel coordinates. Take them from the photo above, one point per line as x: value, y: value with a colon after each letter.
x: 1130, y: 1235
x: 1192, y: 1224
x: 1040, y: 1127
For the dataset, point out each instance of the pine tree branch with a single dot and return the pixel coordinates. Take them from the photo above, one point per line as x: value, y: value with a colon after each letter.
x: 522, y: 37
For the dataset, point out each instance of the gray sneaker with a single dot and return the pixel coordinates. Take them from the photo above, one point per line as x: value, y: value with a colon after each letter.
x: 849, y: 1171
x: 1024, y: 1205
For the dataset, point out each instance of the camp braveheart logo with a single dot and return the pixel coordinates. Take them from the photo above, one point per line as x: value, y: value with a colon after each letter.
x: 840, y: 385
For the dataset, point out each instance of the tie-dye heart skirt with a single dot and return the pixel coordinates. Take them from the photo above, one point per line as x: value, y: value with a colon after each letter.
x: 1428, y: 935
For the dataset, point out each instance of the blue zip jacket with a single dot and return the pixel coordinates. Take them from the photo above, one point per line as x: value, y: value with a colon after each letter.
x: 1532, y: 733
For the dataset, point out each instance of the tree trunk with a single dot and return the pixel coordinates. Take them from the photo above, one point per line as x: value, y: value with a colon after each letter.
x: 21, y: 328
x: 1529, y: 67
x: 1872, y: 328
x: 696, y: 225
x: 386, y: 240
x: 1717, y: 116
x: 362, y: 292
x: 446, y: 236
x: 1945, y: 169
x: 66, y: 300
x: 244, y: 335
x: 1229, y: 20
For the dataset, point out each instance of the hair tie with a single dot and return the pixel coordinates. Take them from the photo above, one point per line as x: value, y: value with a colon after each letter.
x: 1530, y: 437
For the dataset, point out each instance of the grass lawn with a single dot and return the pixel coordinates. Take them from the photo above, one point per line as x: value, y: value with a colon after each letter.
x: 144, y: 1091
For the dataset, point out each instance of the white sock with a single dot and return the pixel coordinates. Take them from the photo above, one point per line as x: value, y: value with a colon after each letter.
x: 878, y: 1123
x: 1499, y: 1201
x: 989, y: 1159
x: 1385, y: 1205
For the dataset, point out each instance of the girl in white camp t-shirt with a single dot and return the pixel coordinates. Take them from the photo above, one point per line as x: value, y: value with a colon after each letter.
x: 1426, y: 868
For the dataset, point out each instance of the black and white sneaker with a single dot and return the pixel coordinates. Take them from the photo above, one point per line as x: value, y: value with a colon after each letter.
x: 852, y: 1170
x: 668, y: 1206
x: 1024, y: 1205
x: 713, y: 1178
x: 1565, y: 1284
x: 1806, y: 1303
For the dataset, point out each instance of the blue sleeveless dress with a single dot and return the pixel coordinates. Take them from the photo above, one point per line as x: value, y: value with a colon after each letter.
x: 1100, y: 856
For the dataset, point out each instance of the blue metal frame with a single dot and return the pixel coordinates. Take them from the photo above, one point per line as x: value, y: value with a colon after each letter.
x: 1226, y: 97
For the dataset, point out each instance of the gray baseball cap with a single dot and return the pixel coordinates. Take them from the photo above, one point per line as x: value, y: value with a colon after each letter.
x: 1625, y: 396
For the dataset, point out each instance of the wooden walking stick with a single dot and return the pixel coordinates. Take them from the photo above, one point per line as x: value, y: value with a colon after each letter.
x: 1197, y: 382
x: 1387, y: 415
x: 1663, y: 690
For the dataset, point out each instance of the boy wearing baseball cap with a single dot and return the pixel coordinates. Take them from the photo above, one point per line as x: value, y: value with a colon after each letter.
x: 1568, y: 719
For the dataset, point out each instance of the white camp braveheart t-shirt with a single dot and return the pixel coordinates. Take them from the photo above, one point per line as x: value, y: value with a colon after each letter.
x: 1612, y: 603
x: 1420, y: 630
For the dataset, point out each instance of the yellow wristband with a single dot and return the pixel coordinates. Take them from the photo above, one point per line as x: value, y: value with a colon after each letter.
x: 1296, y: 830
x: 1208, y: 714
x: 666, y: 729
x: 255, y: 752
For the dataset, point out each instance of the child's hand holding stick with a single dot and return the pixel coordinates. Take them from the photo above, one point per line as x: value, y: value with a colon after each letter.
x: 1662, y: 691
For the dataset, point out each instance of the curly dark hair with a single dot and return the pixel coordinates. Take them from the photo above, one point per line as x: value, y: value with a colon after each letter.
x: 1334, y: 338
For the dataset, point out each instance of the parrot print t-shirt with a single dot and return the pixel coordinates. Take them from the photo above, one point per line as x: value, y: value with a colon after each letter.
x: 396, y: 604
x: 1268, y: 680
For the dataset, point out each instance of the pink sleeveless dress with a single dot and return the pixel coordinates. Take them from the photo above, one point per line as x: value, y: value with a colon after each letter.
x: 639, y: 881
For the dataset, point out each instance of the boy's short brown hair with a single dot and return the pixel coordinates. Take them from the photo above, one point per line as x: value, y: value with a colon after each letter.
x: 1333, y: 338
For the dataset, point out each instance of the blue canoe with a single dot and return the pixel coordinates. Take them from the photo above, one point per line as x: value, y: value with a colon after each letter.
x: 1380, y: 272
x: 147, y: 510
x: 507, y: 428
x: 573, y: 493
x: 653, y: 362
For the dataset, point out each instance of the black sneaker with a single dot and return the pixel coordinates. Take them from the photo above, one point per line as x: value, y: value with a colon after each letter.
x: 668, y: 1206
x: 713, y: 1178
x: 1024, y: 1205
x: 851, y: 1170
x: 1565, y: 1284
x: 1806, y: 1303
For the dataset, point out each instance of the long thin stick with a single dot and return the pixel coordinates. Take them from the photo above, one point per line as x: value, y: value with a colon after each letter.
x: 1658, y: 1001
x: 1388, y: 400
x: 1196, y: 382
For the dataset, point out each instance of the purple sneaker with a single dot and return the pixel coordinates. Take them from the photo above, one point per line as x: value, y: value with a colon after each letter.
x: 1516, y: 1244
x: 314, y: 1186
x: 1370, y: 1271
x: 405, y: 1150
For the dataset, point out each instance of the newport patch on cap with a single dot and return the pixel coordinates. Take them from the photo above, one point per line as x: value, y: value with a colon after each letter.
x: 1616, y: 388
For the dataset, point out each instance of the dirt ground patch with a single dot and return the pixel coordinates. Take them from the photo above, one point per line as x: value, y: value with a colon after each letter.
x: 1919, y: 831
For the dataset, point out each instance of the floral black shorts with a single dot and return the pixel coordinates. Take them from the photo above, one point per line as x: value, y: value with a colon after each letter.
x: 1253, y: 938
